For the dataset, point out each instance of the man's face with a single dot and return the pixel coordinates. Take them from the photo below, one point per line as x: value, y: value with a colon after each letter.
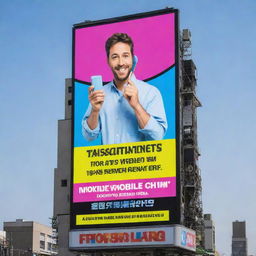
x: 120, y: 60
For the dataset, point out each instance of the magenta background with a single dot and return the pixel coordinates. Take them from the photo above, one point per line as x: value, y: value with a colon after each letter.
x: 154, y: 47
x: 152, y: 193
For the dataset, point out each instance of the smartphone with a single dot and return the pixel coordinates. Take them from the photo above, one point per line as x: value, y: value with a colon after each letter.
x: 135, y: 61
x: 97, y: 82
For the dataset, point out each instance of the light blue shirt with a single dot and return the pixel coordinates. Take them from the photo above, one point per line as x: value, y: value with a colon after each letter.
x: 117, y: 120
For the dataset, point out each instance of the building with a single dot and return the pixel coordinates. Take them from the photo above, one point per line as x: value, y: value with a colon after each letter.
x: 239, y: 240
x: 28, y: 238
x: 209, y: 233
x: 4, y: 249
x: 62, y: 177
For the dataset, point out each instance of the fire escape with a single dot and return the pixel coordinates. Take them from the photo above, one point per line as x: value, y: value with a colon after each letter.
x: 190, y: 175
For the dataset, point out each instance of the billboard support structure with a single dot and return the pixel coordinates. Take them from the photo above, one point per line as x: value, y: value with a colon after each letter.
x: 127, y: 192
x: 191, y: 181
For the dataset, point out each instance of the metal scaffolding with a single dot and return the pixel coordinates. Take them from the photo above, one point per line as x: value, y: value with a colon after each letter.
x: 190, y: 173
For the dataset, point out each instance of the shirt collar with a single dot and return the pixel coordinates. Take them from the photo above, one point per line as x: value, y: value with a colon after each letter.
x: 133, y: 78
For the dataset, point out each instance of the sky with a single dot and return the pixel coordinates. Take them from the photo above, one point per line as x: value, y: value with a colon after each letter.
x: 35, y: 54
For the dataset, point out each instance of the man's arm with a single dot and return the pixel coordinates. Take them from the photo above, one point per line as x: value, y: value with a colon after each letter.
x: 96, y: 99
x: 152, y: 120
x: 131, y: 94
x: 93, y: 119
x: 90, y: 121
x: 141, y: 115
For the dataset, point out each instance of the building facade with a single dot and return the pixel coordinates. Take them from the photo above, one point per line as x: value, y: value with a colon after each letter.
x: 62, y: 177
x: 4, y: 249
x: 209, y: 233
x: 28, y: 238
x: 239, y: 240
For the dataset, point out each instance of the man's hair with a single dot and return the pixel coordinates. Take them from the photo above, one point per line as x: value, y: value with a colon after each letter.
x: 116, y: 38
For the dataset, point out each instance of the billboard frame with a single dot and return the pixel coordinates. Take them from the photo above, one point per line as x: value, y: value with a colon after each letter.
x: 177, y: 101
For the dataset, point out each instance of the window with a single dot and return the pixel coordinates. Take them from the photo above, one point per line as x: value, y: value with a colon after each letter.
x: 42, y: 236
x: 69, y: 102
x: 64, y: 183
x: 49, y: 246
x: 42, y: 245
x: 42, y: 241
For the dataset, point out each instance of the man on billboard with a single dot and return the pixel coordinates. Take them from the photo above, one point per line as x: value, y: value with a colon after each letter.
x: 126, y: 109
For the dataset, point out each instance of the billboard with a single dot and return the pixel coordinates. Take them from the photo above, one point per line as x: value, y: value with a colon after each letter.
x: 126, y: 135
x: 163, y: 236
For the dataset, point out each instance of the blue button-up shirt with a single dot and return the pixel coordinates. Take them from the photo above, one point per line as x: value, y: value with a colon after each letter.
x: 117, y: 120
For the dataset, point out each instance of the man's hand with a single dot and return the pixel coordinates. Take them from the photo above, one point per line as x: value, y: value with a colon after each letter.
x: 131, y: 94
x: 96, y: 98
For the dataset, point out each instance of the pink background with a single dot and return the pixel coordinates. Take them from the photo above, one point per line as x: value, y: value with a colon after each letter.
x: 154, y: 47
x: 152, y: 193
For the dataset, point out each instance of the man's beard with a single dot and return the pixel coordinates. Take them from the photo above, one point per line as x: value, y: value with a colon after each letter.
x: 120, y: 79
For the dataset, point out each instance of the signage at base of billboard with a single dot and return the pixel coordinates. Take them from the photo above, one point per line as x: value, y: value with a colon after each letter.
x: 185, y: 238
x: 164, y: 236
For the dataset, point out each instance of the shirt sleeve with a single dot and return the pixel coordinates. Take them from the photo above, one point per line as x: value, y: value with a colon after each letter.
x: 88, y: 133
x: 156, y: 126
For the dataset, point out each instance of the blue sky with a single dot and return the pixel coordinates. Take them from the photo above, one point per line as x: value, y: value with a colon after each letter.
x: 35, y: 54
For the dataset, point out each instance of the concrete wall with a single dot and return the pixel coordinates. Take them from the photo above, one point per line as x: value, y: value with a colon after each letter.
x: 24, y: 237
x: 63, y: 171
x: 239, y: 240
x: 20, y: 235
x: 37, y: 229
x: 239, y: 229
x: 62, y: 174
x: 63, y: 236
x: 209, y: 233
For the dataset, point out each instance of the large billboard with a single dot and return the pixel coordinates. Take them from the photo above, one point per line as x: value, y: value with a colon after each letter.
x: 125, y: 133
